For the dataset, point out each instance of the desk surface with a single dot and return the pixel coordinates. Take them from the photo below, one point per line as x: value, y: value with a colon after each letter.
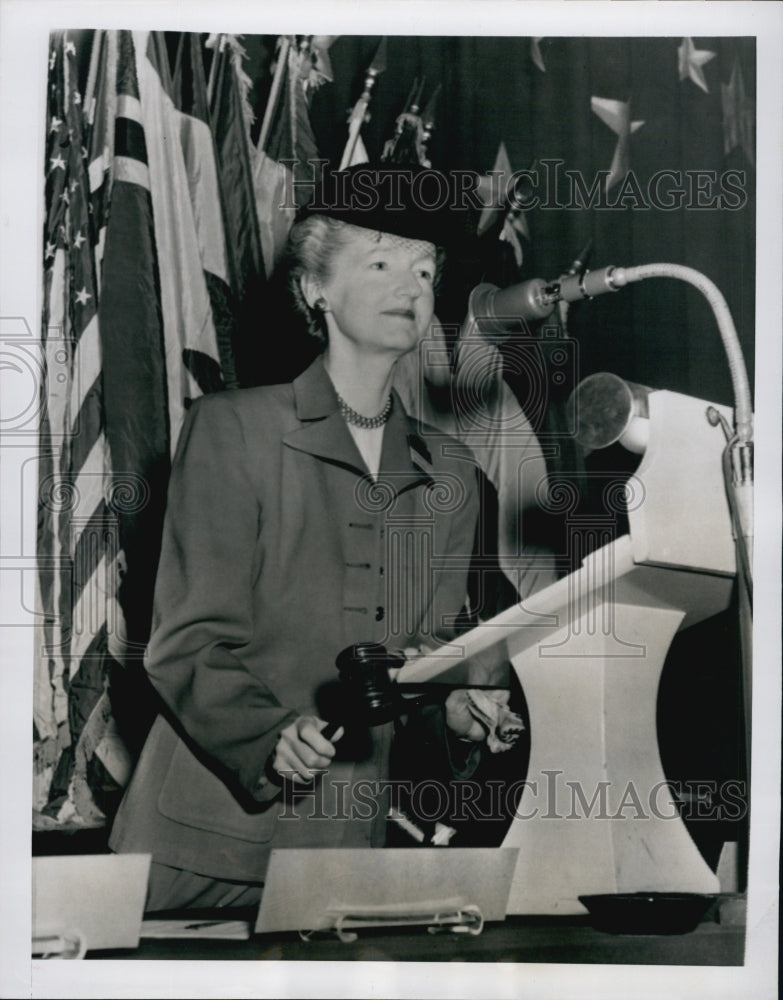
x: 517, y: 939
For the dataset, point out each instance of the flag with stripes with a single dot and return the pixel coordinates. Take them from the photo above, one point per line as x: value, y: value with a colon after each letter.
x: 198, y: 148
x: 129, y: 338
x: 78, y: 543
x: 192, y: 358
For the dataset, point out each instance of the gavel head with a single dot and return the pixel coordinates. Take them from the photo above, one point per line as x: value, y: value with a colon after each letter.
x: 364, y: 670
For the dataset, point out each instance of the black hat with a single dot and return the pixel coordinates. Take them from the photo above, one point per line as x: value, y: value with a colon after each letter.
x: 414, y: 202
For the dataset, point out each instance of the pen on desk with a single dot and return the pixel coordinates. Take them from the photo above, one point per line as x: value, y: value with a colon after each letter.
x: 204, y: 923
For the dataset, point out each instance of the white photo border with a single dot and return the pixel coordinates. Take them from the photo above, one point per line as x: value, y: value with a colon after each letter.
x: 24, y: 29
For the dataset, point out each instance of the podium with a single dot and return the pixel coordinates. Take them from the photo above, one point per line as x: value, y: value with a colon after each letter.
x: 596, y: 814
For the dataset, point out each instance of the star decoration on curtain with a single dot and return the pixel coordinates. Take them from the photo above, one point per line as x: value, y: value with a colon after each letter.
x: 739, y: 114
x: 535, y: 53
x: 491, y: 192
x: 513, y: 224
x: 617, y: 115
x: 495, y: 196
x: 691, y: 60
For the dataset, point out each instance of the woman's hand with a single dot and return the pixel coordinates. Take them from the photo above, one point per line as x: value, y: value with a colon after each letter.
x: 460, y: 720
x: 302, y: 752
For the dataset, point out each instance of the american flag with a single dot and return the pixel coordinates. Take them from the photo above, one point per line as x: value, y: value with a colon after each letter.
x: 78, y: 547
x: 129, y: 338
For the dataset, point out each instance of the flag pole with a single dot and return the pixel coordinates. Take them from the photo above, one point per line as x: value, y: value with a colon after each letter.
x: 274, y: 93
x: 377, y: 66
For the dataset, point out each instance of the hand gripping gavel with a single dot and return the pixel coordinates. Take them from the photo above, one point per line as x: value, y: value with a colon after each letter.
x: 371, y: 696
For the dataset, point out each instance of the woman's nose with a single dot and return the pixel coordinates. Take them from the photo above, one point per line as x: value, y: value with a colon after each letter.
x: 408, y: 285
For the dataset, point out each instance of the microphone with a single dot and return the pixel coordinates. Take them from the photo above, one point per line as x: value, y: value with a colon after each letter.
x: 496, y: 309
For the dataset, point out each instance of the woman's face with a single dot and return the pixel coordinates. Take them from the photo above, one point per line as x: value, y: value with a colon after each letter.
x: 380, y: 294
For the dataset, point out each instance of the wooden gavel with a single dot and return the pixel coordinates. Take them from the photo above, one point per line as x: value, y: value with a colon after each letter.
x: 372, y: 697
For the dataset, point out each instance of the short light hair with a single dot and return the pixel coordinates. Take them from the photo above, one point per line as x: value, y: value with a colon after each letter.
x: 313, y: 244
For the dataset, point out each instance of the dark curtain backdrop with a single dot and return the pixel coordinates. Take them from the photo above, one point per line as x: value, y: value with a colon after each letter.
x: 659, y: 333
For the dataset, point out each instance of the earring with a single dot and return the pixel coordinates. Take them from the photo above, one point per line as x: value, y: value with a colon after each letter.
x: 321, y: 304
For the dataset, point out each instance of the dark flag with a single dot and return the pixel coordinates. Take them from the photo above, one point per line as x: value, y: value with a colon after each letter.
x: 230, y: 118
x: 287, y: 150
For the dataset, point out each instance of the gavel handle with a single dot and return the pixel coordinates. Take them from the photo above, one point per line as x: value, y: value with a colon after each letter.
x: 330, y: 729
x: 275, y: 777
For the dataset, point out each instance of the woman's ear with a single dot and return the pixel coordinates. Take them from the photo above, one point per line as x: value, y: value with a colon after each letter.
x: 311, y: 290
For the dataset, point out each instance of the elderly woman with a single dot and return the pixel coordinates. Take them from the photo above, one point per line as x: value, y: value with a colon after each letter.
x: 302, y: 518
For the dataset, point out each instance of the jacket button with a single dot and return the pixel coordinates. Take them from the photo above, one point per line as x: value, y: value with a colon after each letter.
x: 379, y: 614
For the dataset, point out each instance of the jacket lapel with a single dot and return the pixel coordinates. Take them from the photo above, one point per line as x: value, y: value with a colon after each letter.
x: 405, y: 458
x: 324, y: 433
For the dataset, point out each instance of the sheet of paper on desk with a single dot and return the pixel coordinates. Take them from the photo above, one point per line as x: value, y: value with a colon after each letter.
x: 305, y: 888
x: 99, y: 897
x: 234, y: 930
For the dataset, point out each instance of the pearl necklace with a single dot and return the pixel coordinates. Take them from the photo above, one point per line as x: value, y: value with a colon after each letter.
x: 368, y: 423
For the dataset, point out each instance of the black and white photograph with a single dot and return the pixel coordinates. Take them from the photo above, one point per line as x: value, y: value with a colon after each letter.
x: 390, y: 444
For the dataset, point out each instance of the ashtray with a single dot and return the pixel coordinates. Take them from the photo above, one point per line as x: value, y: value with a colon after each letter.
x: 647, y: 912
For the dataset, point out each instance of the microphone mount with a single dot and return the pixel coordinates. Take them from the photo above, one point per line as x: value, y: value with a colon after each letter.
x: 497, y: 311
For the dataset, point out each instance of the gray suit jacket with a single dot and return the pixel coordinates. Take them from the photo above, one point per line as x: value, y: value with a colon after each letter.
x: 279, y: 550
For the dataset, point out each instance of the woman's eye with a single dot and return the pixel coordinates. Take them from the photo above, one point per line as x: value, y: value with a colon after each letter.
x: 379, y: 265
x: 426, y: 274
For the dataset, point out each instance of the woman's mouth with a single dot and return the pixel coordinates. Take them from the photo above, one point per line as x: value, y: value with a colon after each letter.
x: 405, y: 313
